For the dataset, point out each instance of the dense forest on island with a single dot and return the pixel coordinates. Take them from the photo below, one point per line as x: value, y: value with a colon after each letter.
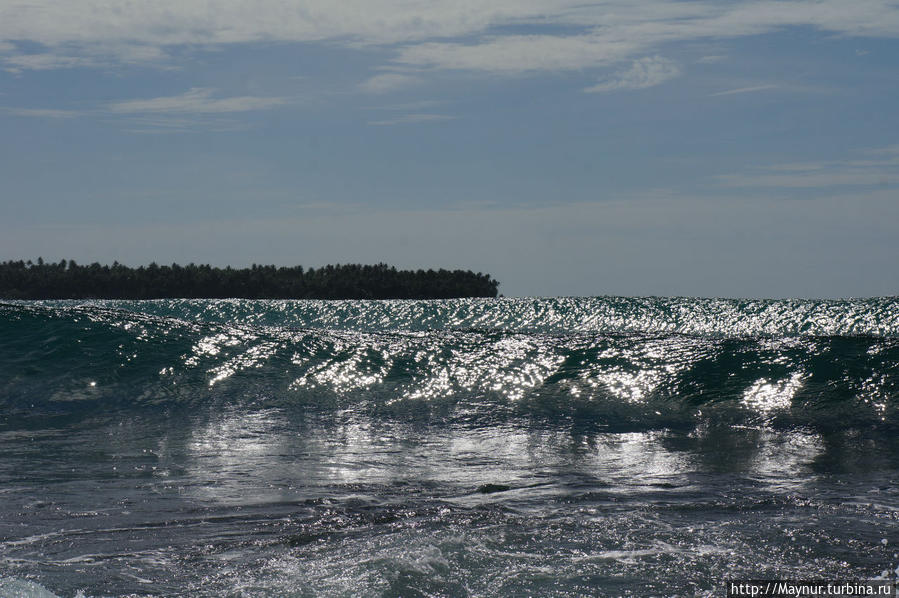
x: 69, y: 280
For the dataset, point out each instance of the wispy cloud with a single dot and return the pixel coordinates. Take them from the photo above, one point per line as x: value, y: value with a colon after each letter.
x: 101, y: 55
x: 41, y: 112
x: 162, y: 124
x: 408, y: 119
x: 713, y: 59
x: 809, y: 175
x: 810, y: 180
x: 410, y: 106
x: 46, y: 62
x: 744, y: 90
x: 387, y: 82
x: 643, y: 73
x: 197, y: 109
x: 197, y: 100
x: 890, y: 150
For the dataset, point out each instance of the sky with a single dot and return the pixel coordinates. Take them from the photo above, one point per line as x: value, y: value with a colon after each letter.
x: 620, y: 147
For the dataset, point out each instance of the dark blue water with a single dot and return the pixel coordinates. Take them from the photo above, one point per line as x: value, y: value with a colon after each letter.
x: 551, y: 447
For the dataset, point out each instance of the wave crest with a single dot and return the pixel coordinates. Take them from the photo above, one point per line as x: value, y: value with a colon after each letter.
x: 465, y: 360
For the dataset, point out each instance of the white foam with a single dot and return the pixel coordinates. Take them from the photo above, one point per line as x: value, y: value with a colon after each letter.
x: 10, y: 587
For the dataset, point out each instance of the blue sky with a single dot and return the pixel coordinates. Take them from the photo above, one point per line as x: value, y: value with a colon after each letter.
x: 568, y: 148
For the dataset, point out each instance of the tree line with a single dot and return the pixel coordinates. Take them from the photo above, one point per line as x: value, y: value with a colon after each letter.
x: 69, y: 280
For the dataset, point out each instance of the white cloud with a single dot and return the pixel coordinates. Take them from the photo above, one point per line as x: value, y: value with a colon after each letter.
x: 713, y: 59
x: 408, y: 119
x: 520, y: 53
x: 646, y: 72
x: 175, y: 22
x: 744, y: 90
x: 387, y: 82
x: 612, y: 31
x: 197, y: 100
x: 577, y: 35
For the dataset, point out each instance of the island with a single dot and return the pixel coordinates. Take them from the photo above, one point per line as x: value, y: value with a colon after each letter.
x: 69, y: 280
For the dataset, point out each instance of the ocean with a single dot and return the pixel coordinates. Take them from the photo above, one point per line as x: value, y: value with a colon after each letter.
x: 474, y: 447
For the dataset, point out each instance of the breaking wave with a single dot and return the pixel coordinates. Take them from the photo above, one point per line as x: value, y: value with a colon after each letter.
x: 611, y: 363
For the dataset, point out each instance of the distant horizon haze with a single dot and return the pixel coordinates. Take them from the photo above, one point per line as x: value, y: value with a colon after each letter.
x: 502, y: 293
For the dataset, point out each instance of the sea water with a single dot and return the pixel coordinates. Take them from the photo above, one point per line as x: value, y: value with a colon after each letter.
x: 489, y: 447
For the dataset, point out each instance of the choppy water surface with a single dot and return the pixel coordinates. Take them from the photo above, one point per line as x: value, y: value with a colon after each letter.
x: 553, y: 447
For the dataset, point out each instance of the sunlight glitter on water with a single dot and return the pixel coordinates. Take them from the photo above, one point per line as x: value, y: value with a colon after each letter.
x: 765, y: 396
